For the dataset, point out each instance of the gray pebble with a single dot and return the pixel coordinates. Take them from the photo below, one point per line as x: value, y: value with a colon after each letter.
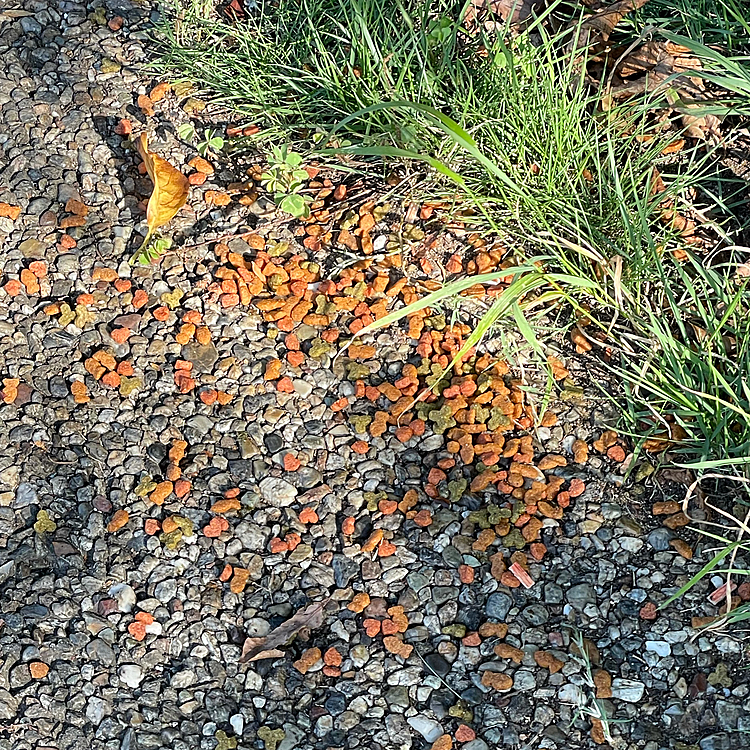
x: 498, y: 605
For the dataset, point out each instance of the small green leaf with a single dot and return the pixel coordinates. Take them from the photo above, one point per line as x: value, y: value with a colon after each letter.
x: 186, y: 131
x: 151, y: 250
x: 295, y: 205
x: 294, y: 159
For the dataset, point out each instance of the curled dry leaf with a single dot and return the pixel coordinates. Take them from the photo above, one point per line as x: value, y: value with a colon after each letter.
x: 600, y: 25
x: 12, y: 14
x: 171, y: 188
x: 513, y: 11
x: 267, y: 647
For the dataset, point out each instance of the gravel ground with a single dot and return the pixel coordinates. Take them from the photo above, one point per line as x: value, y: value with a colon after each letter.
x: 149, y: 524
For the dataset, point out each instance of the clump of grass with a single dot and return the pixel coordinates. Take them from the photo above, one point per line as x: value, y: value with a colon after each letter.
x: 689, y: 361
x: 402, y: 79
x: 717, y: 22
x: 305, y: 64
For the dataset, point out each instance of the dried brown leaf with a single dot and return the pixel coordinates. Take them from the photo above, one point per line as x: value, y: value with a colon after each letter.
x: 599, y: 26
x: 12, y: 14
x: 267, y: 647
x: 171, y: 187
x: 514, y: 11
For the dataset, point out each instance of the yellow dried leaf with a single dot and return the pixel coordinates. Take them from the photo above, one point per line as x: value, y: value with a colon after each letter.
x: 171, y: 187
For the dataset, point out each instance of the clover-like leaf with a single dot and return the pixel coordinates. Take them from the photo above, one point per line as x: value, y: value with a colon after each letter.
x: 295, y: 205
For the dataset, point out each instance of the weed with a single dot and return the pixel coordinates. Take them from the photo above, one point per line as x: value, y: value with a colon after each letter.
x: 211, y: 142
x: 285, y: 179
x: 589, y: 705
x: 690, y: 359
x: 151, y: 250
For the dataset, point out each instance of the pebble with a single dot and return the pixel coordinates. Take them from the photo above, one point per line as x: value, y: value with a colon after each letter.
x: 660, y: 648
x: 438, y: 664
x: 95, y: 710
x: 523, y: 679
x: 536, y: 615
x: 580, y: 595
x: 102, y: 652
x: 278, y: 492
x: 25, y: 495
x: 131, y: 675
x: 344, y: 569
x: 659, y: 539
x: 498, y: 606
x: 717, y: 742
x: 166, y: 590
x: 428, y: 728
x: 630, y: 691
x: 124, y: 595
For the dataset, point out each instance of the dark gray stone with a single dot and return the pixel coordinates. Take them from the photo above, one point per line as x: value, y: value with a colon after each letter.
x: 498, y: 605
x: 344, y: 569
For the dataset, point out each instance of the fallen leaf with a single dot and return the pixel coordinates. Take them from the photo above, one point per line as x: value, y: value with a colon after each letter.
x: 599, y: 26
x: 171, y: 188
x: 513, y: 11
x: 267, y: 647
x: 11, y: 15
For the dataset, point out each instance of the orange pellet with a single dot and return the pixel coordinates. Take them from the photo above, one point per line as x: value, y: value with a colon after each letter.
x: 120, y: 335
x: 278, y: 545
x: 182, y: 487
x: 292, y: 540
x: 295, y: 358
x: 140, y: 298
x: 291, y: 463
x: 285, y: 385
x: 208, y: 397
x: 342, y: 403
x: 308, y: 515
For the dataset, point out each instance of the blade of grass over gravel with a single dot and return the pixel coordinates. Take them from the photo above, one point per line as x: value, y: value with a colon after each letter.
x: 693, y: 361
x: 702, y: 573
x: 447, y: 291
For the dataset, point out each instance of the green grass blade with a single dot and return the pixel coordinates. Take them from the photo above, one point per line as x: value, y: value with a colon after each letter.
x: 704, y: 571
